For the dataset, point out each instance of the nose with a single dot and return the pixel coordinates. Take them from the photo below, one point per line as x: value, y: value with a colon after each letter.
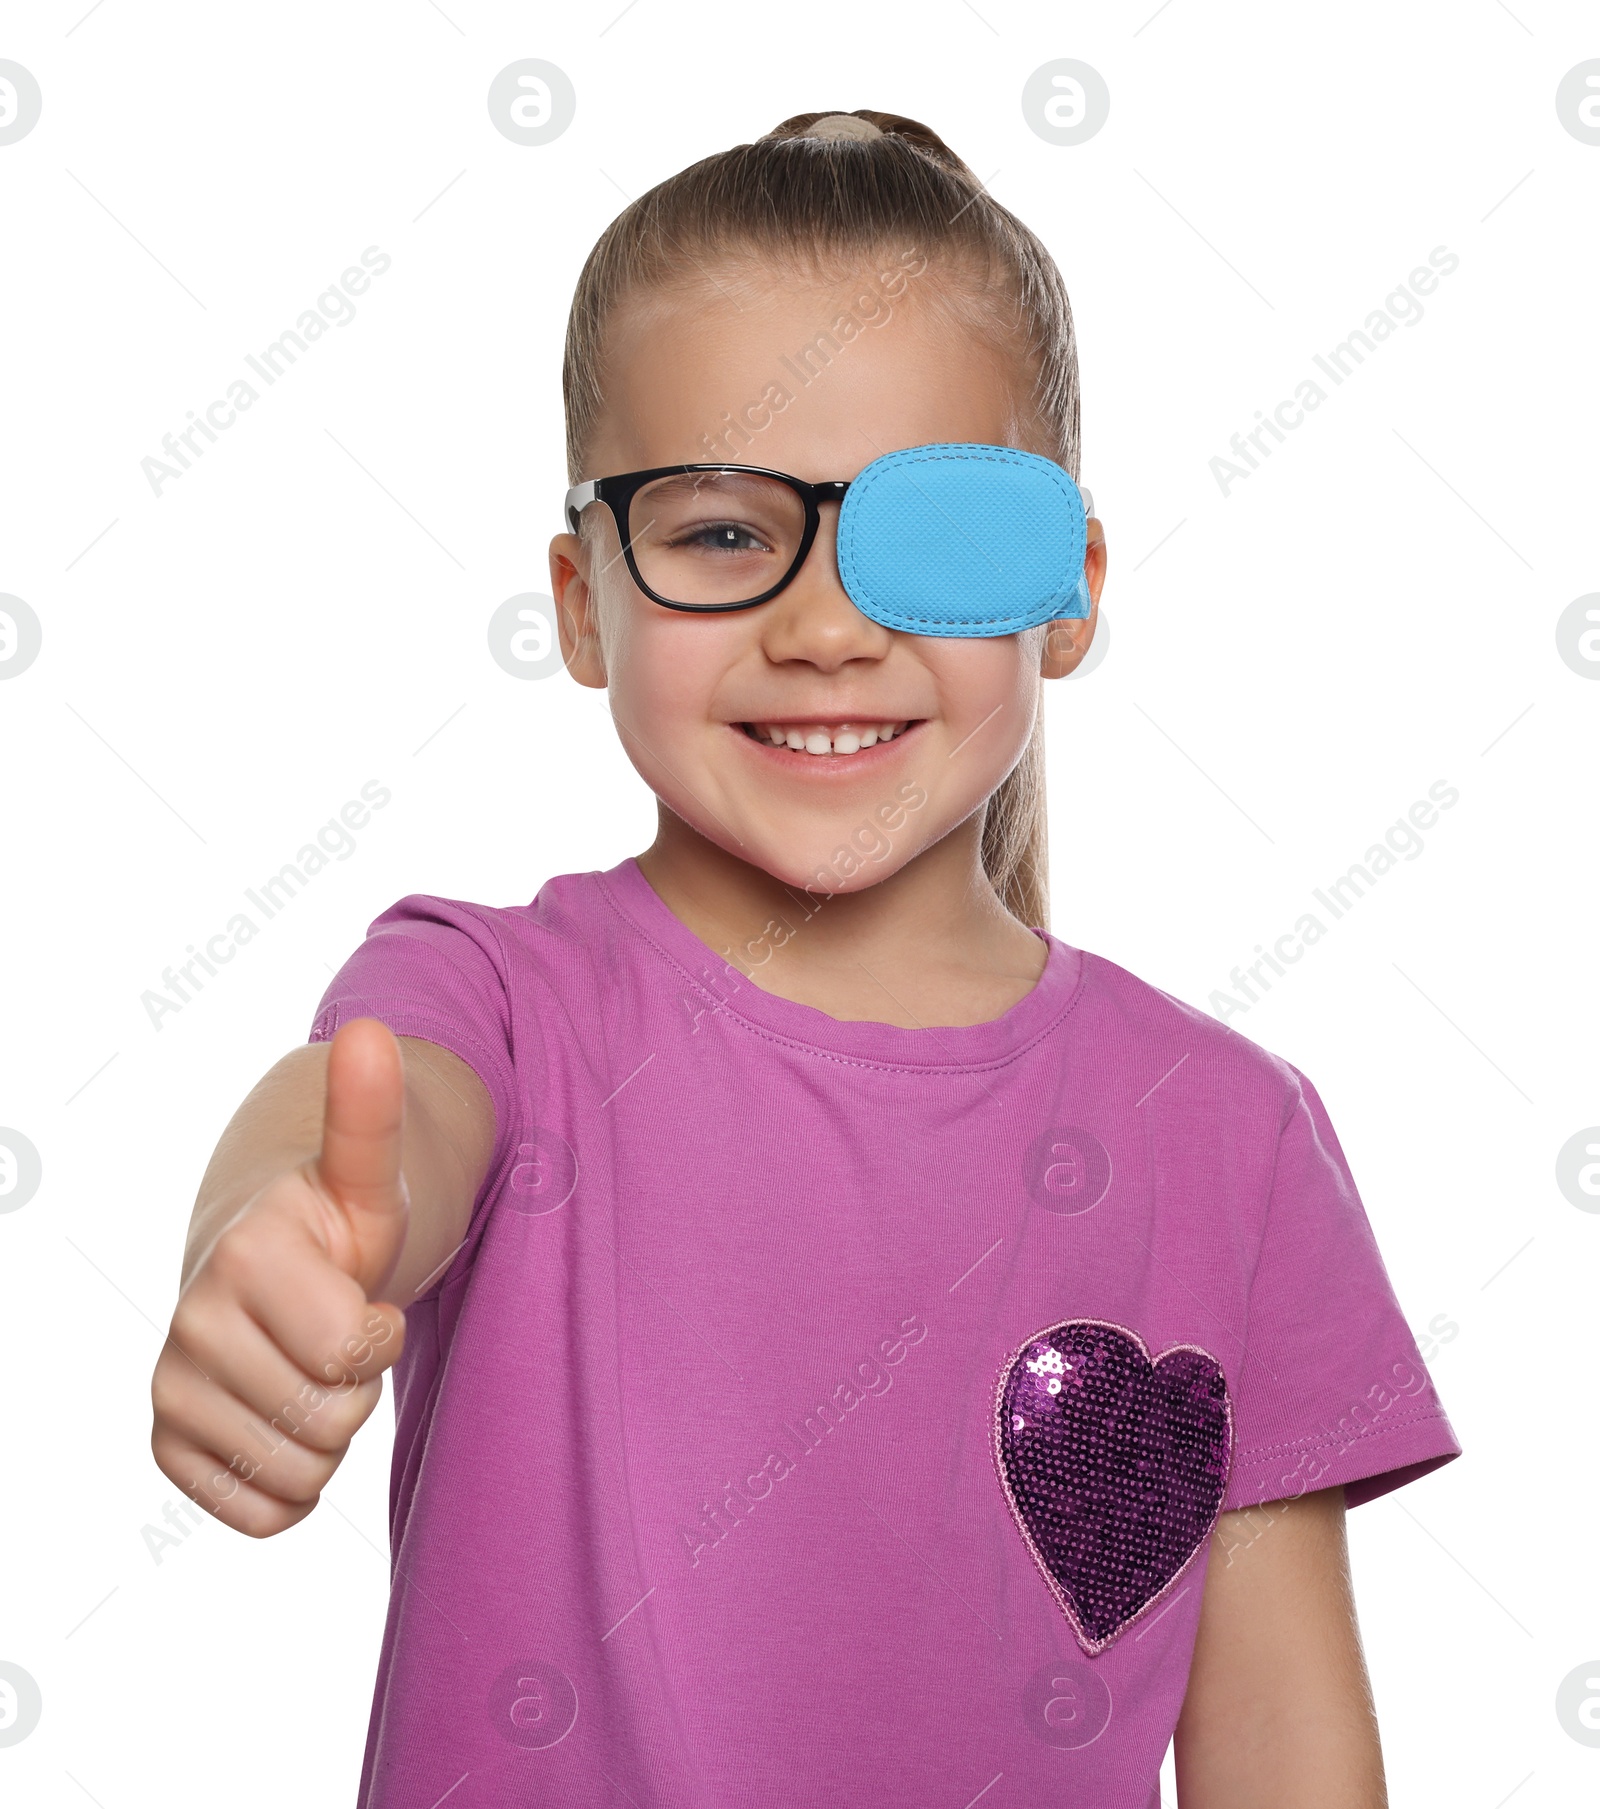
x: 813, y: 618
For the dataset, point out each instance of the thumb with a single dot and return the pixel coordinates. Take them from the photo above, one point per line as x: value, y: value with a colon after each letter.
x: 359, y: 1164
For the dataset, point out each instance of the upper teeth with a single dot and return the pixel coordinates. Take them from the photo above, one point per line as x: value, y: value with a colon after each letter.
x: 817, y: 738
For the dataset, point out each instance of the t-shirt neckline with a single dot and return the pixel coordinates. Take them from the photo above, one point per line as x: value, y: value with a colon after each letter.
x: 935, y: 1047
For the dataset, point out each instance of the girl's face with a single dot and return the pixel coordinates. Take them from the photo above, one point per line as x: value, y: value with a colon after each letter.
x: 936, y: 723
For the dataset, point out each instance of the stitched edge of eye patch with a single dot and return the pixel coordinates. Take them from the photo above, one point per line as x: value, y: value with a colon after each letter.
x: 1074, y: 592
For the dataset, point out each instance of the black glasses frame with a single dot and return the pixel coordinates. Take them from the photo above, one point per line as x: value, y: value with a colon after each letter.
x: 618, y: 492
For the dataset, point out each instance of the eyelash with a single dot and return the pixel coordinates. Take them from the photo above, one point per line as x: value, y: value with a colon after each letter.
x: 721, y: 527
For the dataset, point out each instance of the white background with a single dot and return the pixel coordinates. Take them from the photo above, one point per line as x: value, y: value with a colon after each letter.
x: 1291, y: 666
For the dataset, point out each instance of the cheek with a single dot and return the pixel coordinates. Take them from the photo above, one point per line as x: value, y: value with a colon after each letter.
x: 663, y: 668
x: 988, y: 695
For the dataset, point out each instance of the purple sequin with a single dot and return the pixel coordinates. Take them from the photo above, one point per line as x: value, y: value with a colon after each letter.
x: 1115, y: 1467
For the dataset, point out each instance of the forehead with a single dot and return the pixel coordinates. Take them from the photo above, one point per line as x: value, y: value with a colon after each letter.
x: 812, y: 376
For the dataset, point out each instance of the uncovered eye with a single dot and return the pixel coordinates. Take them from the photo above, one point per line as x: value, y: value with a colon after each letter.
x: 720, y: 537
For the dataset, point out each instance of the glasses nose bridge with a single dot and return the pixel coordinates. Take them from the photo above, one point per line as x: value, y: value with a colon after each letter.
x: 824, y: 635
x: 831, y: 490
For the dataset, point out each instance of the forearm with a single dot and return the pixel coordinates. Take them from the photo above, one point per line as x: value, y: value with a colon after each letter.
x: 278, y: 1126
x: 1279, y: 1713
x: 448, y: 1131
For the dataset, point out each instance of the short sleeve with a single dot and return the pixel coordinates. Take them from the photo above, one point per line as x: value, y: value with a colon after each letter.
x: 436, y: 968
x: 1332, y: 1388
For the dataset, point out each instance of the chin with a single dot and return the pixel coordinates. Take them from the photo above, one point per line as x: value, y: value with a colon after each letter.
x: 829, y: 853
x: 850, y: 861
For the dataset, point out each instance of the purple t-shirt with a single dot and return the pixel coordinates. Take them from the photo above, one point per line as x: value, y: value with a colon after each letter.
x: 823, y: 1412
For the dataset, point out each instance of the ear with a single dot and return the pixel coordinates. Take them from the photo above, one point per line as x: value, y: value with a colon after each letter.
x: 576, y: 621
x: 1067, y: 640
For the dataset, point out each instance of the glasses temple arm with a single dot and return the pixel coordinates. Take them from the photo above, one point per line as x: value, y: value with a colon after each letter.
x: 578, y: 499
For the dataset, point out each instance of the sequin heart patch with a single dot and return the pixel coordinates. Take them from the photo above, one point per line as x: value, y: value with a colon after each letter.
x: 1114, y: 1466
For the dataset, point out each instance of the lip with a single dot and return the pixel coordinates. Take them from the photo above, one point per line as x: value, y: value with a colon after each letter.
x: 831, y: 768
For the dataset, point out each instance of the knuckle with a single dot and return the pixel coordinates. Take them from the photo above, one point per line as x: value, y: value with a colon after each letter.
x: 290, y: 1492
x: 363, y: 1400
x: 164, y: 1391
x: 192, y: 1337
x: 300, y: 1477
x: 233, y: 1258
x: 335, y: 1426
x: 260, y: 1516
x: 307, y: 1491
x: 343, y: 1419
x: 284, y: 1520
x: 187, y: 1318
x: 312, y: 1419
x: 321, y: 1438
x: 351, y: 1352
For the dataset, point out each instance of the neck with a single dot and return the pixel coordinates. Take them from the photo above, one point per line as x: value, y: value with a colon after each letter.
x: 932, y: 944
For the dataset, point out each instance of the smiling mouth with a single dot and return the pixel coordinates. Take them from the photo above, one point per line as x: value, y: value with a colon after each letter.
x: 827, y: 738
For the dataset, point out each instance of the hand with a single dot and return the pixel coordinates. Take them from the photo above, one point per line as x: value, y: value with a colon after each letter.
x: 280, y: 1338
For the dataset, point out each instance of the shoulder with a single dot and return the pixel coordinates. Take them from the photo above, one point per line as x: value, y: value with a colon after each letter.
x: 554, y: 936
x: 1226, y: 1067
x: 498, y: 984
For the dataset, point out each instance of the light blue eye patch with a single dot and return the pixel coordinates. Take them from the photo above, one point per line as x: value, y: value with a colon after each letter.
x: 963, y: 539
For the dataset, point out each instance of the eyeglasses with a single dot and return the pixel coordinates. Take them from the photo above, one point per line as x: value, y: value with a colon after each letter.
x: 710, y: 537
x: 945, y: 539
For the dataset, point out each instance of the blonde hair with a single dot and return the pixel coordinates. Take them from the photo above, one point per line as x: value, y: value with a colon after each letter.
x: 811, y: 200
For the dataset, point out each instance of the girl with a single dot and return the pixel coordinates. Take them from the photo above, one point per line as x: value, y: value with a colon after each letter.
x: 853, y: 1346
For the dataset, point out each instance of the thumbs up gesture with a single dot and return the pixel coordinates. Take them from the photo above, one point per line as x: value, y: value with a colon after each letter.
x: 281, y: 1333
x: 357, y: 1175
